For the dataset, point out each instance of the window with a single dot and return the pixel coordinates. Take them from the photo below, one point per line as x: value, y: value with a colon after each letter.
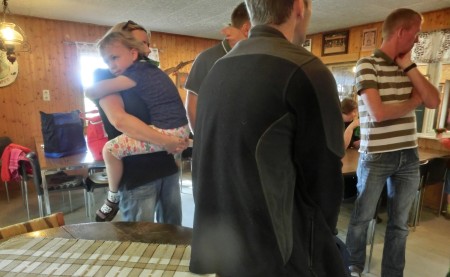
x: 344, y: 74
x: 432, y: 54
x: 89, y: 60
x: 439, y: 75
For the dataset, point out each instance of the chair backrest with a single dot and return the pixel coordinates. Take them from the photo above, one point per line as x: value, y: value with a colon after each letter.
x: 41, y: 223
x: 4, y: 141
x: 435, y: 172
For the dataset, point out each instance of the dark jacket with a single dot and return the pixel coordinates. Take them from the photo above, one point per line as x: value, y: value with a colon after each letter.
x: 267, y: 163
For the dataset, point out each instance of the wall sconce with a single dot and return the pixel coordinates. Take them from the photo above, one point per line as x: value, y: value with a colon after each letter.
x: 12, y: 37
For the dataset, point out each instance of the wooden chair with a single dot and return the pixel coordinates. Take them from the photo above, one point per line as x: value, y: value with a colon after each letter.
x: 415, y: 209
x: 435, y: 175
x: 41, y: 223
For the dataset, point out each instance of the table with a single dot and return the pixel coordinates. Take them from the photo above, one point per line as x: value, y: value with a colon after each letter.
x: 147, y: 232
x: 72, y: 162
x: 100, y: 249
x: 350, y: 160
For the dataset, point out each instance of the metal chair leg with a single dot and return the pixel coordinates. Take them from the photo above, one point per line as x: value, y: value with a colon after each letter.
x: 25, y: 186
x: 70, y: 201
x: 442, y: 194
x: 41, y: 206
x: 87, y: 204
x: 7, y: 191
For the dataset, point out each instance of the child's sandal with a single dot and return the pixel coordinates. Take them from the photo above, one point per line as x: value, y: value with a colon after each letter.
x: 107, y: 212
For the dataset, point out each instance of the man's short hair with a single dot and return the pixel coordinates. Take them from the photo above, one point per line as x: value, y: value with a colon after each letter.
x: 263, y: 12
x: 128, y: 26
x: 239, y: 16
x: 404, y: 18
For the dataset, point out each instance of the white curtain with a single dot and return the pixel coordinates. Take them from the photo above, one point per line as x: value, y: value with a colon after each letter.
x: 87, y: 49
x: 433, y: 47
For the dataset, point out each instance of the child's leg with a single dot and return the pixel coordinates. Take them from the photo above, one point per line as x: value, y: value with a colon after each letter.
x: 114, y: 171
x: 123, y: 146
x: 181, y: 132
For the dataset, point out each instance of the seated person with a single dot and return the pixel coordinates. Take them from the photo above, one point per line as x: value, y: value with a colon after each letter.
x: 349, y: 109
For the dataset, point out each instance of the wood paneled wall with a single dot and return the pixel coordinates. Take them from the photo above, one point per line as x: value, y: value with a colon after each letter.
x: 52, y: 64
x: 435, y: 20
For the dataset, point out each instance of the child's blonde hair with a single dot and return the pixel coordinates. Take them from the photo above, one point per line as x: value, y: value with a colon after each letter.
x: 125, y: 38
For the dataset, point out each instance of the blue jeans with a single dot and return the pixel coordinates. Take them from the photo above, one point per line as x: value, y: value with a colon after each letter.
x: 139, y: 204
x: 399, y: 170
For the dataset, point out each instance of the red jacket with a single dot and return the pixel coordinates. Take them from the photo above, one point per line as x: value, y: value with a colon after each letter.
x: 11, y: 157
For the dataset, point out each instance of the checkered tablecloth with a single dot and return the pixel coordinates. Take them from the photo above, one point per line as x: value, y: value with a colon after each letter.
x: 77, y: 257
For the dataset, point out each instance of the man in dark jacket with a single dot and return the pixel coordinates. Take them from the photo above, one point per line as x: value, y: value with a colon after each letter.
x: 267, y: 154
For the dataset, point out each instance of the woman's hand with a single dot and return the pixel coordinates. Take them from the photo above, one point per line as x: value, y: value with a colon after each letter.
x: 175, y: 145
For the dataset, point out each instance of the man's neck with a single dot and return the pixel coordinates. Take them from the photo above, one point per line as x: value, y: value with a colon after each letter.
x: 389, y: 48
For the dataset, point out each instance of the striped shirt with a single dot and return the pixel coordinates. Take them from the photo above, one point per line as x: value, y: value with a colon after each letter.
x: 381, y: 73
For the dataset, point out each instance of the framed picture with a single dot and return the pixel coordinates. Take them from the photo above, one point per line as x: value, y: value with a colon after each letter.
x: 307, y: 44
x: 369, y: 39
x: 335, y: 43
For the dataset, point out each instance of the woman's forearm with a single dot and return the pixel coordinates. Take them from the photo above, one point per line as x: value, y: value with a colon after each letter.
x: 130, y: 125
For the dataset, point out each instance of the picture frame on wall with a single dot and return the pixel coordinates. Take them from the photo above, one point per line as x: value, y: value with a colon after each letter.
x: 334, y: 43
x: 307, y: 44
x: 369, y: 39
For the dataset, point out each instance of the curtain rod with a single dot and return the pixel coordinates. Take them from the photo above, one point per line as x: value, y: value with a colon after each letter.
x: 68, y: 42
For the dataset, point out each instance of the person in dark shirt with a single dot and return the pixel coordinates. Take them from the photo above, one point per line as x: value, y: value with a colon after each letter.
x: 349, y: 109
x: 240, y: 25
x: 267, y: 155
x: 140, y: 188
x: 134, y: 75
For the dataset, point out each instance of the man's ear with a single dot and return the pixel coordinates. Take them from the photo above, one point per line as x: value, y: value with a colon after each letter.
x: 135, y: 53
x: 399, y: 32
x: 246, y: 28
x: 299, y: 8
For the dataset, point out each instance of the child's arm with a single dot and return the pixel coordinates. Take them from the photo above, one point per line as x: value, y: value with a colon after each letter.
x: 109, y: 86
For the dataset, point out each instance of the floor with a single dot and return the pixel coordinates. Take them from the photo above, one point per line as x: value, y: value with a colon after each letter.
x: 428, y: 247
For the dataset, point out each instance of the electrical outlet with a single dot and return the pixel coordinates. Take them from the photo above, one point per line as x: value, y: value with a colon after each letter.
x: 46, y: 95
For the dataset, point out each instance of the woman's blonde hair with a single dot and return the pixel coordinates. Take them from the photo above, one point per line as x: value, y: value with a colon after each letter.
x: 129, y: 26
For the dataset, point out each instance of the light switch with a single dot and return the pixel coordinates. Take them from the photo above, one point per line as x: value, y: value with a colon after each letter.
x: 46, y: 95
